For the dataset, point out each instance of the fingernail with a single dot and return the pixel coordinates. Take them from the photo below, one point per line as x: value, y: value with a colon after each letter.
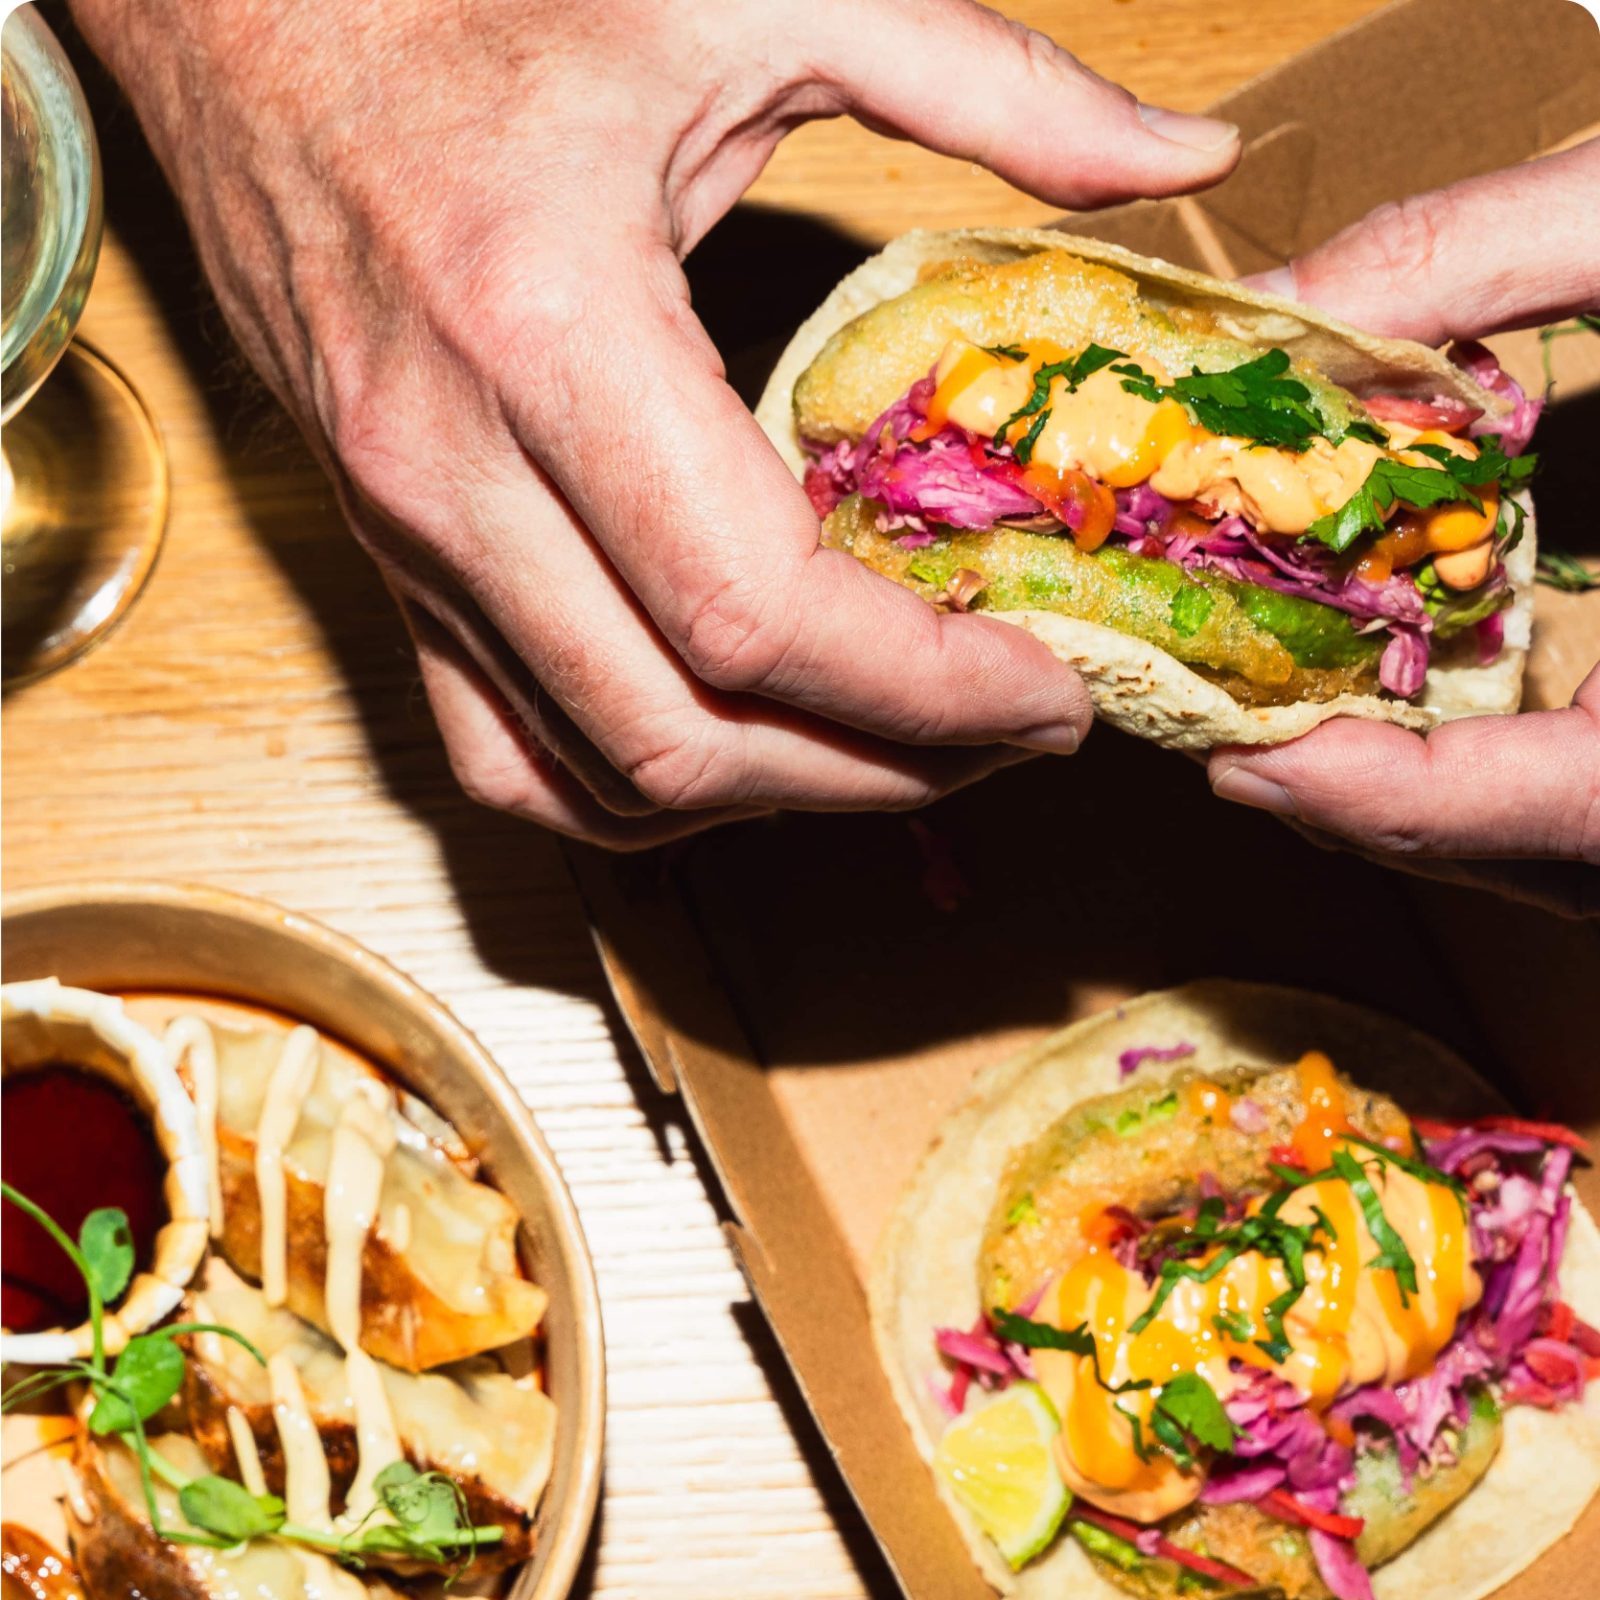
x: 1197, y: 133
x: 1053, y: 738
x: 1280, y: 281
x: 1250, y: 789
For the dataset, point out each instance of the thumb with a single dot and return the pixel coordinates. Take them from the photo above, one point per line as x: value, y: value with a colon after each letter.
x: 1525, y: 786
x: 965, y: 81
x: 1508, y: 250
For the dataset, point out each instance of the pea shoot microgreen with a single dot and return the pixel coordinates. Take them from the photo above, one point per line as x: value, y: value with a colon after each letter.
x: 424, y: 1515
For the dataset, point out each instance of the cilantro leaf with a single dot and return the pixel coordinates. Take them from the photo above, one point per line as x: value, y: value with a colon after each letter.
x: 1073, y: 371
x: 1007, y: 352
x: 1024, y: 450
x: 1137, y: 381
x: 1367, y: 429
x: 1189, y: 1403
x: 1031, y: 1335
x: 1393, y: 1255
x: 1253, y: 401
x: 1453, y: 478
x: 1389, y: 483
x: 1171, y: 1438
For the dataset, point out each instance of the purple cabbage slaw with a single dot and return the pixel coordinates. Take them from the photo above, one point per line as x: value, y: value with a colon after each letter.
x: 1130, y: 1061
x: 960, y: 480
x: 1520, y: 1338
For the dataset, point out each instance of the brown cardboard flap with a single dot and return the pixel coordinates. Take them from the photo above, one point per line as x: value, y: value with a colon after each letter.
x: 799, y: 983
x: 1420, y: 94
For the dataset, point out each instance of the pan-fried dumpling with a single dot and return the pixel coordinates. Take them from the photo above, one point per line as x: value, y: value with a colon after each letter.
x: 118, y: 1553
x: 440, y: 1279
x: 494, y: 1434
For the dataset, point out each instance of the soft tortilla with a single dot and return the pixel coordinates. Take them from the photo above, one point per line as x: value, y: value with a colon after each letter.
x: 1136, y: 686
x: 926, y: 1273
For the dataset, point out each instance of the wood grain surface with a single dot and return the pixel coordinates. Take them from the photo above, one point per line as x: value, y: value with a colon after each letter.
x: 257, y: 724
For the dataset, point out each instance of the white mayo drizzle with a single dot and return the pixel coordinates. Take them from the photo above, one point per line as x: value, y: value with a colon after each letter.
x: 326, y: 1581
x: 245, y: 1452
x: 191, y: 1037
x: 305, y: 1468
x: 287, y: 1089
x: 208, y: 1346
x: 362, y: 1142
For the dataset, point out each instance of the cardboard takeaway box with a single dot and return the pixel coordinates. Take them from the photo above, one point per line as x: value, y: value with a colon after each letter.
x: 819, y: 989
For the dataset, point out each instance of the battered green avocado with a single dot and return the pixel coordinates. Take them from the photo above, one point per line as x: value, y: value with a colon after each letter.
x: 1278, y: 1555
x: 1147, y: 1148
x: 1263, y: 647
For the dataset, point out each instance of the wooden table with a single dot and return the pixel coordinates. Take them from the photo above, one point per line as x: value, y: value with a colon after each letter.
x: 257, y: 723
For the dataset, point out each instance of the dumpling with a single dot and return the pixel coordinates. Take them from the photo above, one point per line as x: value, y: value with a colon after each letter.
x: 494, y: 1434
x: 118, y: 1553
x: 440, y: 1280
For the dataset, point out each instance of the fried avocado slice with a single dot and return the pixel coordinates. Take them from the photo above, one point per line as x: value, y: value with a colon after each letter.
x: 1144, y: 1148
x: 1278, y: 1555
x: 1264, y: 648
x: 870, y: 362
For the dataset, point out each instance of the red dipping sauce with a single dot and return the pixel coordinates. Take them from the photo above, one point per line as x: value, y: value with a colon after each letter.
x: 71, y: 1143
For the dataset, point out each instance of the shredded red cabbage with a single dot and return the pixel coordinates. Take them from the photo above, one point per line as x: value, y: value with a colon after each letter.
x: 960, y: 480
x: 1130, y: 1061
x: 1516, y: 429
x: 1521, y: 1338
x: 1340, y: 1566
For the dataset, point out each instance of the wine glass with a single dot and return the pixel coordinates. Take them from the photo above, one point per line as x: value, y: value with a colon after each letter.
x: 83, y: 474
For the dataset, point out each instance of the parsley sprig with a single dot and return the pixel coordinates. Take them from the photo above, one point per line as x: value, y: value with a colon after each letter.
x: 1455, y: 478
x: 426, y: 1519
x: 1252, y: 401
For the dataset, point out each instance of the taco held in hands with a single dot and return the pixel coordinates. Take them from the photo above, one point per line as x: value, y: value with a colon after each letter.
x: 1244, y: 1326
x: 1234, y: 516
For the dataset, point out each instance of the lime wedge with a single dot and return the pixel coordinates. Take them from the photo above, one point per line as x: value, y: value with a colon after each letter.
x: 997, y: 1461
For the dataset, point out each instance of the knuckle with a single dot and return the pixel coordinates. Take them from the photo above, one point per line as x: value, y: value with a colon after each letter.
x: 1040, y: 53
x: 1398, y: 836
x: 373, y: 429
x: 519, y: 321
x: 691, y: 772
x: 1584, y: 843
x: 1405, y: 235
x: 731, y: 642
x: 497, y: 785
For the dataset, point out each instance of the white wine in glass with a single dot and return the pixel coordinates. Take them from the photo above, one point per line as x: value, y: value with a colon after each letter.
x: 82, y: 472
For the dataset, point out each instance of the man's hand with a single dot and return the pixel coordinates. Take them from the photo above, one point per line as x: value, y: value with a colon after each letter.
x: 449, y: 237
x: 1512, y: 249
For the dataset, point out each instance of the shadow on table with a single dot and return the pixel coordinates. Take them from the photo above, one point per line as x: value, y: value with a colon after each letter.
x: 753, y: 278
